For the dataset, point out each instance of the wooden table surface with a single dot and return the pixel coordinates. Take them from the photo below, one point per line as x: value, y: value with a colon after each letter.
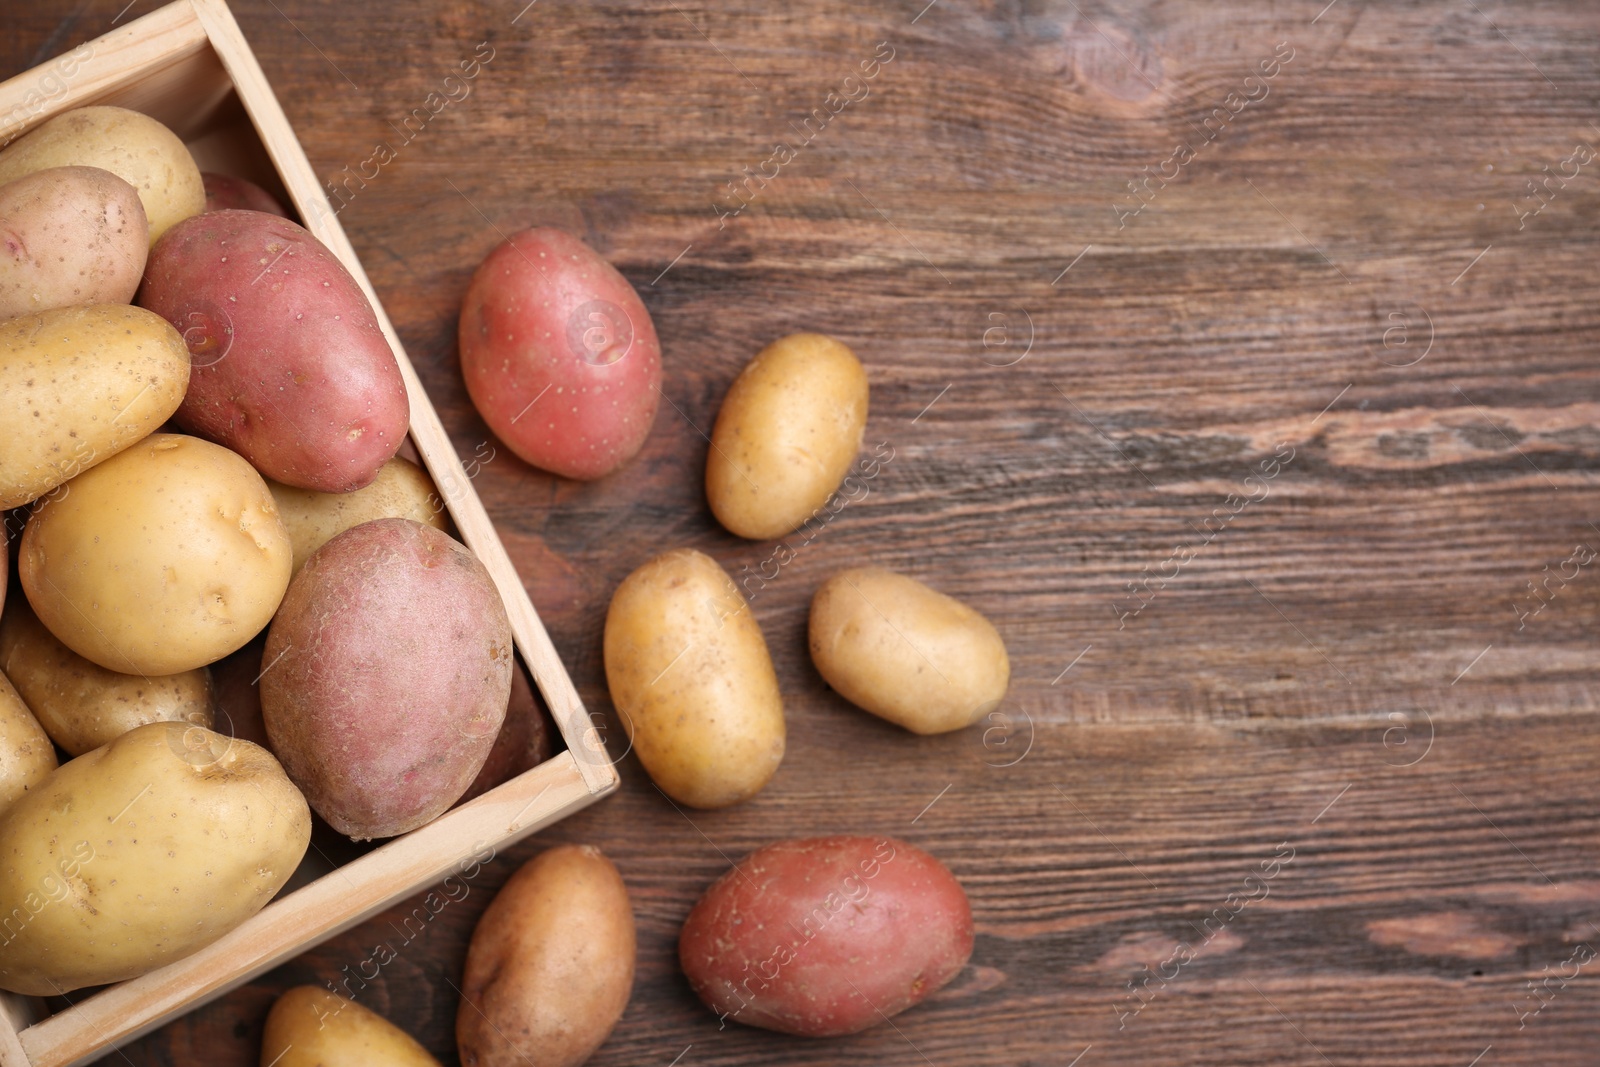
x: 1376, y: 664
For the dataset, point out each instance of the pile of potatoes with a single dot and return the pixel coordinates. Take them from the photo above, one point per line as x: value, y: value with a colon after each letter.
x: 199, y: 426
x: 201, y: 417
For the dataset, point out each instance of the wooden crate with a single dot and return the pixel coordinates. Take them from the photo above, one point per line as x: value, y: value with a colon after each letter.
x: 188, y: 66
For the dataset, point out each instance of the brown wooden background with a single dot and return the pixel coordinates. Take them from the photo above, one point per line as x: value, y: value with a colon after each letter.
x: 1349, y: 640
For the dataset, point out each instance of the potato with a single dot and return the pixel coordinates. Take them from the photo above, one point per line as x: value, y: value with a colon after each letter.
x: 522, y: 744
x: 141, y: 852
x: 26, y: 755
x: 826, y: 936
x: 80, y: 704
x: 134, y: 147
x: 290, y: 368
x: 559, y: 355
x: 386, y: 676
x: 164, y: 558
x: 224, y: 191
x: 692, y: 681
x: 401, y: 490
x: 312, y: 1027
x: 77, y: 386
x: 550, y: 966
x: 71, y: 235
x: 786, y: 435
x: 906, y: 653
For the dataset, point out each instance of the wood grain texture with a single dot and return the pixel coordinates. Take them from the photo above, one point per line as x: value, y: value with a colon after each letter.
x: 1351, y: 637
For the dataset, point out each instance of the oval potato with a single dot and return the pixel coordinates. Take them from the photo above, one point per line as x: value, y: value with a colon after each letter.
x: 26, y: 755
x: 133, y: 146
x: 80, y: 704
x: 164, y: 558
x: 907, y: 653
x: 786, y: 435
x: 402, y: 490
x: 559, y: 354
x: 141, y: 852
x: 312, y: 1027
x: 386, y: 676
x: 826, y: 936
x: 77, y: 386
x: 551, y: 963
x: 291, y: 369
x: 68, y: 236
x: 693, y: 682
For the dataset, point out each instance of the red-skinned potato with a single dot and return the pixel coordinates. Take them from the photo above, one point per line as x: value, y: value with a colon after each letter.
x: 224, y: 191
x: 289, y: 367
x: 826, y: 936
x: 386, y: 675
x: 559, y: 355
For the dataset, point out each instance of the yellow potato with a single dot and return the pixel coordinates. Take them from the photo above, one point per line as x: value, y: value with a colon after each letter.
x: 787, y: 433
x: 550, y: 966
x: 26, y: 756
x: 401, y: 490
x: 906, y: 653
x: 312, y: 1027
x: 141, y: 852
x: 692, y: 681
x: 162, y: 559
x: 75, y: 235
x: 80, y: 704
x: 77, y: 386
x: 134, y: 147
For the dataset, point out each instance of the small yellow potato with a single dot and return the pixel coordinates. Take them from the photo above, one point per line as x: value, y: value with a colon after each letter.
x: 313, y: 1027
x: 164, y: 558
x: 889, y: 644
x: 134, y: 147
x: 402, y: 490
x: 26, y: 755
x: 77, y: 386
x: 787, y: 433
x: 69, y: 236
x: 141, y: 852
x: 80, y: 704
x: 692, y: 681
x: 550, y: 967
